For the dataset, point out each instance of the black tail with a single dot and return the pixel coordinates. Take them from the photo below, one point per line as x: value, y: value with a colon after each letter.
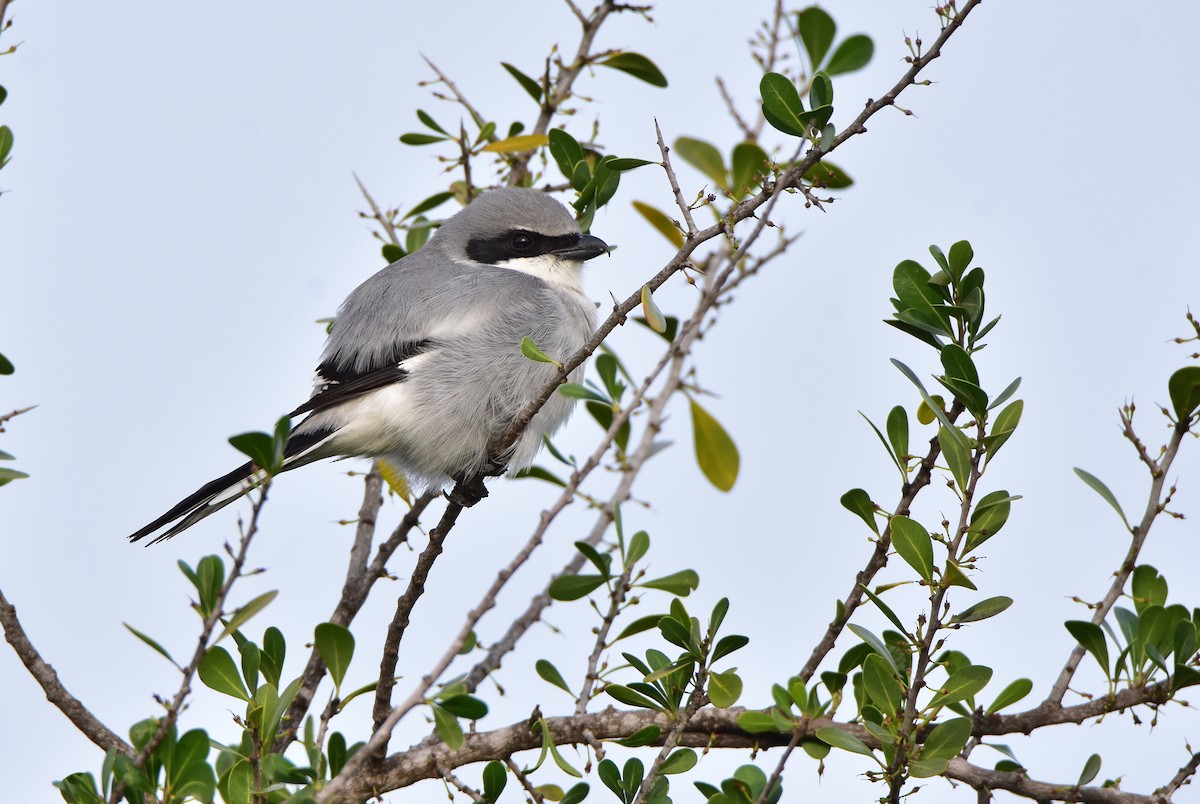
x: 229, y: 488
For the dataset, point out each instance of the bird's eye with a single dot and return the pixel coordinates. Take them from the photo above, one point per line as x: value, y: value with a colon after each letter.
x: 522, y: 241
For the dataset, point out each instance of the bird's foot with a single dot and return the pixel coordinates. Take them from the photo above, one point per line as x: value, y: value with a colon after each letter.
x: 493, y: 469
x: 467, y: 491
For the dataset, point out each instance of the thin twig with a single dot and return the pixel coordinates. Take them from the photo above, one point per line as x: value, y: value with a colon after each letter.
x: 385, y: 221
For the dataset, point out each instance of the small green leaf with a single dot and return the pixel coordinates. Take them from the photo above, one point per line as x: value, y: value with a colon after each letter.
x: 432, y: 202
x: 947, y: 739
x: 875, y: 643
x: 641, y: 737
x: 858, y: 502
x: 1184, y: 390
x: 575, y: 391
x: 447, y: 727
x: 1010, y: 695
x: 639, y: 544
x: 962, y: 684
x: 549, y: 672
x: 989, y: 516
x: 982, y: 610
x: 467, y: 706
x: 926, y: 768
x: 659, y: 220
x: 6, y: 366
x: 716, y: 453
x: 530, y: 350
x: 961, y: 255
x: 6, y: 145
x: 152, y: 643
x: 957, y: 456
x: 727, y: 645
x: 1090, y: 769
x: 897, y: 430
x: 820, y: 92
x: 638, y: 66
x: 335, y: 643
x: 756, y: 722
x: 705, y: 157
x: 1148, y: 587
x: 914, y: 545
x: 218, y: 671
x: 415, y: 138
x: 681, y: 760
x: 680, y: 583
x: 749, y: 164
x: 883, y: 688
x: 528, y: 84
x: 239, y: 783
x: 566, y: 152
x: 630, y: 697
x: 828, y: 175
x: 781, y: 104
x: 816, y: 29
x: 495, y: 777
x: 1101, y: 489
x: 852, y: 54
x: 257, y: 447
x: 247, y: 611
x: 833, y: 736
x: 574, y: 587
x: 724, y: 689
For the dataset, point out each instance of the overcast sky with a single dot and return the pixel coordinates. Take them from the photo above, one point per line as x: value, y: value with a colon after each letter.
x: 180, y: 210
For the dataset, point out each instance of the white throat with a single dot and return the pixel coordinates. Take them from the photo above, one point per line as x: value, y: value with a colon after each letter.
x: 564, y: 274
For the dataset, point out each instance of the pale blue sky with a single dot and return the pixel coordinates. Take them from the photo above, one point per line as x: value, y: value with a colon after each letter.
x: 181, y: 210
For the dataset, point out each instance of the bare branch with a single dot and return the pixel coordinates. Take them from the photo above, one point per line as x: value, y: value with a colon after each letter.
x: 45, y: 675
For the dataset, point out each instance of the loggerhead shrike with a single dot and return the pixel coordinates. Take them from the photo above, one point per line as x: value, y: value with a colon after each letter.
x: 423, y: 365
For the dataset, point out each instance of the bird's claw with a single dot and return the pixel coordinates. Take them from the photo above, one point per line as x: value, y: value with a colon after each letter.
x: 467, y: 492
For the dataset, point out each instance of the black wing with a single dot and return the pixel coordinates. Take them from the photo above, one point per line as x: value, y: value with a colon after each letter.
x: 341, y: 384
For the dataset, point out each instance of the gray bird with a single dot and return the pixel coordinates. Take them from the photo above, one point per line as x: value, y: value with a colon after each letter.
x: 423, y: 365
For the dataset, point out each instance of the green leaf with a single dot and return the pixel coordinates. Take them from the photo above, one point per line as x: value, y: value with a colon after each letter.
x: 705, y: 157
x: 828, y: 175
x: 852, y: 54
x: 335, y: 643
x: 247, y: 611
x: 574, y: 587
x: 530, y: 350
x: 962, y: 684
x: 781, y: 104
x: 1004, y: 426
x: 549, y: 672
x: 257, y: 447
x: 6, y: 144
x: 989, y: 516
x: 528, y: 84
x: 447, y: 727
x: 640, y: 625
x: 816, y: 29
x: 638, y: 66
x: 1103, y: 491
x: 680, y: 583
x: 756, y: 722
x: 749, y: 164
x: 659, y: 220
x: 927, y: 768
x: 1184, y: 390
x: 681, y: 760
x: 957, y: 456
x: 432, y: 202
x: 833, y: 736
x: 1010, y: 695
x: 627, y: 696
x: 274, y: 649
x: 467, y: 706
x: 218, y: 671
x: 883, y: 688
x: 495, y: 777
x: 897, y: 430
x: 566, y: 152
x: 654, y: 317
x: 239, y: 783
x: 152, y: 643
x: 1148, y: 587
x: 947, y: 739
x: 415, y: 138
x: 641, y: 737
x: 982, y: 610
x: 575, y: 391
x: 961, y: 255
x: 914, y: 545
x: 820, y: 91
x: 8, y: 475
x: 424, y: 117
x: 875, y: 643
x: 858, y: 502
x: 392, y: 253
x: 576, y: 794
x: 724, y: 689
x: 716, y: 453
x: 1090, y: 769
x: 727, y: 645
x: 6, y: 366
x: 639, y: 544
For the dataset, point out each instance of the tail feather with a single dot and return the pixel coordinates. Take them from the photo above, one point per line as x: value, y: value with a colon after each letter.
x: 216, y: 494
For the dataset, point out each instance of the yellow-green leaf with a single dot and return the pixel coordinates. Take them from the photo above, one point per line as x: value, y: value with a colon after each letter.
x: 654, y: 317
x: 659, y: 220
x: 518, y: 144
x: 716, y: 453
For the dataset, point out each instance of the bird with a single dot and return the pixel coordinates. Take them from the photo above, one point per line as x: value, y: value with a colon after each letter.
x: 423, y: 365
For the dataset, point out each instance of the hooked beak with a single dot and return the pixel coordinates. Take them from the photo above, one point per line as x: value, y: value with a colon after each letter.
x: 586, y: 247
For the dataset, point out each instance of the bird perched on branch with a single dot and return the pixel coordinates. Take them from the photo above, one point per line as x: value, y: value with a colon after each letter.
x: 423, y: 365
